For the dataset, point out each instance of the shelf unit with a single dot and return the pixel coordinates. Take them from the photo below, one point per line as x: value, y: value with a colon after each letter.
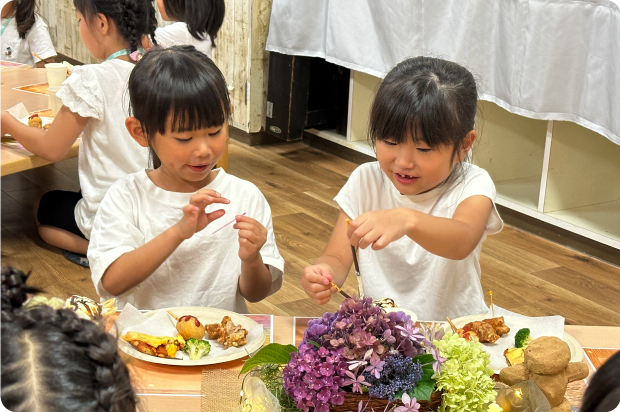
x: 557, y: 172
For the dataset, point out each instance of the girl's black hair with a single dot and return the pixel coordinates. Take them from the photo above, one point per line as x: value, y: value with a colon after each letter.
x: 178, y: 88
x: 134, y: 19
x: 203, y: 17
x: 24, y: 16
x: 603, y: 392
x: 427, y: 100
x: 53, y: 360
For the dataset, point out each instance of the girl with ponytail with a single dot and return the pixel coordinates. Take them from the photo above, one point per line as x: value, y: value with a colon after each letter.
x: 25, y: 32
x: 112, y: 30
x: 53, y: 360
x: 197, y: 23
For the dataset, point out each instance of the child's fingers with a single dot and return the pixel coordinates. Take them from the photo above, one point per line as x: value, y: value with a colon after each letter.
x: 369, y: 238
x: 215, y: 215
x: 317, y: 276
x: 206, y: 197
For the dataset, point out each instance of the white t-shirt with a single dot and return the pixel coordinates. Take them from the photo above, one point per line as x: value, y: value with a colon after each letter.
x: 19, y: 50
x: 205, y: 269
x: 431, y: 286
x: 177, y: 34
x: 107, y: 152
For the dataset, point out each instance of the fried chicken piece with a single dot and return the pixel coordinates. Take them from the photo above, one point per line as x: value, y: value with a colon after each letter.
x: 484, y: 330
x: 233, y: 335
x: 499, y: 325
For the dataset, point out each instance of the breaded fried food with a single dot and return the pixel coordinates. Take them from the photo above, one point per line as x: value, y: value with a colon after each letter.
x: 499, y: 325
x: 227, y: 333
x: 35, y: 121
x: 190, y: 327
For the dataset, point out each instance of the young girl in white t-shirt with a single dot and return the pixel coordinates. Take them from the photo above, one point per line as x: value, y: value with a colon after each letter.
x: 24, y: 32
x: 421, y: 212
x: 92, y: 100
x: 165, y: 237
x: 196, y: 23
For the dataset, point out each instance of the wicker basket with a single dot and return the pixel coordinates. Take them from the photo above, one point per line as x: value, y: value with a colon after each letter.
x: 352, y: 400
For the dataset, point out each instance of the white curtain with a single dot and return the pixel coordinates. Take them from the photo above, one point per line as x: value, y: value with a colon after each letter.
x: 544, y: 59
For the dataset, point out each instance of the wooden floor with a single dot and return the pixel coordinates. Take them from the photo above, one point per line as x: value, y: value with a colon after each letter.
x: 527, y: 274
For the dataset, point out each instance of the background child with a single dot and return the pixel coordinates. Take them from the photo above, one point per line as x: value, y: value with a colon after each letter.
x: 603, y: 392
x: 25, y: 32
x: 197, y: 23
x: 152, y: 244
x: 54, y: 361
x: 93, y: 104
x: 420, y: 213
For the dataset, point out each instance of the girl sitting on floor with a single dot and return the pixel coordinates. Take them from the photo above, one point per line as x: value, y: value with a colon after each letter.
x: 421, y: 212
x: 24, y: 32
x: 54, y: 361
x: 196, y: 23
x: 154, y: 242
x: 92, y: 100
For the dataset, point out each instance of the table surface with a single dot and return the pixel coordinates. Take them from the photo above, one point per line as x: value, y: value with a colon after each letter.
x: 15, y: 159
x: 161, y: 387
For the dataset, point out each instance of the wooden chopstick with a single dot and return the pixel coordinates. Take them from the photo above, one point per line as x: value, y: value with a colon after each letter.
x: 173, y: 315
x: 451, y: 325
x: 37, y: 56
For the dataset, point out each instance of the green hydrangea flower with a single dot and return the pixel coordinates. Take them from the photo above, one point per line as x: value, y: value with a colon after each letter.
x: 466, y: 379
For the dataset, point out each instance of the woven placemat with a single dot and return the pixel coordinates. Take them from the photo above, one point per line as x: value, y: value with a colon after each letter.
x: 220, y: 390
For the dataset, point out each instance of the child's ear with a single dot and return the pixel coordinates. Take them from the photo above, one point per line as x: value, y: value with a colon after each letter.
x: 135, y: 130
x: 468, y: 142
x: 102, y: 23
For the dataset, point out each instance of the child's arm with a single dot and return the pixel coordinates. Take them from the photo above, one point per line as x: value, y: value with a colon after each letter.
x: 333, y: 265
x: 132, y: 268
x: 52, y: 145
x: 453, y: 238
x: 255, y: 280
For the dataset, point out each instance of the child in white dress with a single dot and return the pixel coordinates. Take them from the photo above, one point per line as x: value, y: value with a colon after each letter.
x: 92, y: 100
x: 421, y: 212
x: 165, y: 237
x: 23, y: 33
x: 196, y: 23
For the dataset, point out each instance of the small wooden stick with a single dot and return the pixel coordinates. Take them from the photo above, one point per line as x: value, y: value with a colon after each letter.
x: 173, y: 315
x: 451, y: 325
x: 333, y: 285
x: 492, y: 311
x: 37, y: 56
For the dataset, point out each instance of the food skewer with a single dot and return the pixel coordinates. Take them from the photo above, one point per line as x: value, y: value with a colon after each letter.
x: 173, y: 315
x: 358, y: 275
x: 451, y: 325
x: 492, y: 311
x: 333, y: 285
x: 37, y: 56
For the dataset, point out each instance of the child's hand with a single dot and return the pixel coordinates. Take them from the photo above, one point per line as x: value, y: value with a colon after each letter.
x: 315, y: 281
x: 252, y: 237
x: 380, y: 228
x: 194, y: 217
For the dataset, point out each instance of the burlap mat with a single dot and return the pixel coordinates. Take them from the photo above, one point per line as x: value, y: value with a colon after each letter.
x: 220, y: 390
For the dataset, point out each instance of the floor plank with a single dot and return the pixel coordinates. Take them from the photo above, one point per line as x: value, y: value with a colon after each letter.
x: 527, y: 274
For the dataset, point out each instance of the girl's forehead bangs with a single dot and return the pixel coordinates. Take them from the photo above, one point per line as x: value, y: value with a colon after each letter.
x: 193, y: 108
x: 399, y: 118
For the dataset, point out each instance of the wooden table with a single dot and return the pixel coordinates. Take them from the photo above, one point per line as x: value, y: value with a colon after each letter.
x: 165, y: 388
x: 14, y: 159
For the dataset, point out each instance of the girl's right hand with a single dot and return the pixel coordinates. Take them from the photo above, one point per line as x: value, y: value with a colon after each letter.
x: 315, y: 281
x: 194, y: 217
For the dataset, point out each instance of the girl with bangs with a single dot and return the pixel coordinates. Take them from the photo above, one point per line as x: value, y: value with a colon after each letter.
x: 158, y: 239
x: 420, y: 213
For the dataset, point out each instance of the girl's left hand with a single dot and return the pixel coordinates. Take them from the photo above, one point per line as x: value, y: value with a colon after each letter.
x: 379, y: 228
x: 252, y: 237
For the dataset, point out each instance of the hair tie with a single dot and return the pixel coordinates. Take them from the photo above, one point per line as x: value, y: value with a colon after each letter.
x: 135, y: 56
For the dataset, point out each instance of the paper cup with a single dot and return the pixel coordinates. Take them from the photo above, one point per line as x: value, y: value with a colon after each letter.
x: 56, y: 73
x: 55, y: 102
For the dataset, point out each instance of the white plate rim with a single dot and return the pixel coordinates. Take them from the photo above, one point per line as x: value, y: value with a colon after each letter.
x: 199, y: 312
x: 576, y: 350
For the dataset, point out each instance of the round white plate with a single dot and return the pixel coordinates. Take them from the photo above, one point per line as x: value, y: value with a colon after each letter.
x: 413, y: 316
x: 205, y: 316
x: 576, y: 351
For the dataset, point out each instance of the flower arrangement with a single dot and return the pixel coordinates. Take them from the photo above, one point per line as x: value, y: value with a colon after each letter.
x: 363, y: 358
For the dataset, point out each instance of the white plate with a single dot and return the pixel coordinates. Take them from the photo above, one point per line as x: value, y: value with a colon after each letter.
x: 205, y: 316
x: 413, y: 316
x: 576, y: 351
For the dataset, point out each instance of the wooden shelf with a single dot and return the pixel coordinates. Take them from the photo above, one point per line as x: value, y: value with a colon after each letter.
x: 602, y: 218
x: 524, y: 191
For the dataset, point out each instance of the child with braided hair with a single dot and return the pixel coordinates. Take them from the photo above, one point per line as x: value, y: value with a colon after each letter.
x: 112, y: 30
x: 53, y: 360
x: 196, y: 23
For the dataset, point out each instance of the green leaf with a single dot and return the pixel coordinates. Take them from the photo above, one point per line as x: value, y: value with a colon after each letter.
x: 272, y: 353
x: 423, y: 390
x: 424, y: 359
x: 314, y: 343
